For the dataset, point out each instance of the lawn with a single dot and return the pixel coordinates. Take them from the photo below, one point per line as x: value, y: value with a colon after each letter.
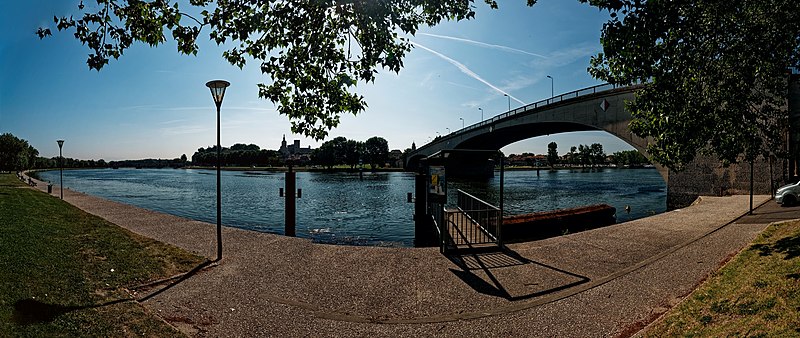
x: 757, y: 294
x: 64, y: 272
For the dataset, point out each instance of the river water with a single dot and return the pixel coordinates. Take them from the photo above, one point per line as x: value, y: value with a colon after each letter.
x: 341, y: 209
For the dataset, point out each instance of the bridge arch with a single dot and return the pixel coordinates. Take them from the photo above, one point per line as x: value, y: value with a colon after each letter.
x: 595, y: 108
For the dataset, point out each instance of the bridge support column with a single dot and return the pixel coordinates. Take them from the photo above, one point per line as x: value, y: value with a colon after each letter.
x: 424, y: 233
x: 470, y: 167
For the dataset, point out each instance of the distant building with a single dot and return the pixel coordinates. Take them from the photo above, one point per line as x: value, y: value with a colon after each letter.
x: 294, y: 151
x: 396, y: 158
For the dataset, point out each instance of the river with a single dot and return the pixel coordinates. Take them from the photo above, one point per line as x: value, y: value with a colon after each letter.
x: 339, y: 208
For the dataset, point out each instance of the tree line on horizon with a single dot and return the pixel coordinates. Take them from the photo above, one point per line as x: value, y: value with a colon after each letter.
x: 587, y: 155
x: 338, y: 151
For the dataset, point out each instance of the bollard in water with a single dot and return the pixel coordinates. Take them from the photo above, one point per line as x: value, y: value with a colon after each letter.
x: 291, y: 206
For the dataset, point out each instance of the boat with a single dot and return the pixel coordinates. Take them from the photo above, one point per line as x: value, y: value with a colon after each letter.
x: 540, y: 225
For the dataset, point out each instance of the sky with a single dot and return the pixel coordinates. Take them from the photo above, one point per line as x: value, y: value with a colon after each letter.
x: 153, y: 103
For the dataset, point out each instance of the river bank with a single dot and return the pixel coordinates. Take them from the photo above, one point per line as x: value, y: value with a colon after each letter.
x: 614, y: 279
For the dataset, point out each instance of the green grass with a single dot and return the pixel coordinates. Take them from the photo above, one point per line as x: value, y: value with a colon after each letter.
x: 64, y: 272
x: 757, y: 294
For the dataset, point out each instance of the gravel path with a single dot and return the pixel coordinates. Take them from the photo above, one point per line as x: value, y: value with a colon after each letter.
x: 604, y: 282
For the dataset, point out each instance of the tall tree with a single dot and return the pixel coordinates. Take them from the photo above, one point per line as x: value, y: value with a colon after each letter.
x: 313, y: 51
x: 552, y: 153
x: 597, y: 155
x: 376, y: 151
x: 16, y: 154
x: 713, y: 73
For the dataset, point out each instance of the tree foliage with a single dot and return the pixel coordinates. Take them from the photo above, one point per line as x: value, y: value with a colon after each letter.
x: 552, y: 153
x: 313, y: 51
x: 713, y: 73
x: 376, y: 151
x: 16, y: 154
x: 629, y: 158
x: 237, y: 155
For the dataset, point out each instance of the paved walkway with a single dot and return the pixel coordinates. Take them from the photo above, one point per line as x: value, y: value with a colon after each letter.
x: 605, y: 282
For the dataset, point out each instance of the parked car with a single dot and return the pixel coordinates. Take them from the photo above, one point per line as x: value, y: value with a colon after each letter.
x: 788, y: 194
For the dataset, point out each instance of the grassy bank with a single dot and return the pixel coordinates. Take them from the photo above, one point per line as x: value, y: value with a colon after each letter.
x: 757, y: 294
x: 64, y: 272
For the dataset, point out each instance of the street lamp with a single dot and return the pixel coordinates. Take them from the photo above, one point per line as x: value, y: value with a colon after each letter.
x: 509, y: 101
x: 462, y: 122
x: 448, y: 130
x: 481, y: 109
x: 61, y: 165
x: 551, y: 86
x: 217, y: 93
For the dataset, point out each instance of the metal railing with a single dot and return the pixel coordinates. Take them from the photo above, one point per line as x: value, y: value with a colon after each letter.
x: 472, y: 224
x: 529, y: 107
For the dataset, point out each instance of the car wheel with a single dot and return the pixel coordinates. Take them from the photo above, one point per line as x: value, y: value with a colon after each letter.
x: 789, y: 200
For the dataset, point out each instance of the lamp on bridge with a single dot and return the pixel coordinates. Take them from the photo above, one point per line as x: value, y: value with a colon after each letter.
x: 481, y: 109
x: 509, y: 101
x: 462, y: 122
x: 218, y: 93
x: 552, y: 94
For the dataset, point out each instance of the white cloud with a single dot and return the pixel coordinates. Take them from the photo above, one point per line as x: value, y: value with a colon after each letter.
x: 486, y: 45
x: 464, y: 69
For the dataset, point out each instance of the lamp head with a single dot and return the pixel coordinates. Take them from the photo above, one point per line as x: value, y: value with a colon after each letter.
x: 60, y: 143
x: 549, y: 77
x: 217, y: 90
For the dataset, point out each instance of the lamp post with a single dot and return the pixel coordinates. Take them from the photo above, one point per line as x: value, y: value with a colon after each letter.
x: 448, y: 130
x: 552, y: 94
x: 481, y: 109
x: 509, y: 101
x: 462, y: 122
x: 61, y: 165
x: 217, y: 93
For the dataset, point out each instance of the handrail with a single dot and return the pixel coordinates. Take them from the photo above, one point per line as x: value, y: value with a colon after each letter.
x: 538, y: 104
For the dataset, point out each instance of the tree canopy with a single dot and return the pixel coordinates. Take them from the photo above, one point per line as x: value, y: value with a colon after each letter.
x: 16, y: 154
x: 313, y: 51
x: 552, y: 153
x: 714, y: 73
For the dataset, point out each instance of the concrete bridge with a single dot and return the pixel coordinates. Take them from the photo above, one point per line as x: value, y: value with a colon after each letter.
x: 599, y: 107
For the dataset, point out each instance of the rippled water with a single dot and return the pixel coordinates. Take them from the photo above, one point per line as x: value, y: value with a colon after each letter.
x: 339, y: 208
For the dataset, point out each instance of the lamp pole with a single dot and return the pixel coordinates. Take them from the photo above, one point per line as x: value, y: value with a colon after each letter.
x: 552, y: 94
x: 462, y: 122
x: 481, y: 109
x: 61, y: 165
x: 509, y: 101
x: 218, y: 93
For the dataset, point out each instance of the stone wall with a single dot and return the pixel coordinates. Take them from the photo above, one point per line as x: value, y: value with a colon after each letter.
x: 707, y: 176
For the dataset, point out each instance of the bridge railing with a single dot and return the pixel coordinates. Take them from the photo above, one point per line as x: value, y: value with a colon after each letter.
x: 531, y: 106
x: 472, y: 224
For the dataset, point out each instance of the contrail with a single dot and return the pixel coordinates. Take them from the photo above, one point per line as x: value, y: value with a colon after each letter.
x: 483, y: 44
x: 465, y: 70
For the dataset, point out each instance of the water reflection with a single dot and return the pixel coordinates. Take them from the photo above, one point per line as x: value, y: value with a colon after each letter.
x: 339, y: 208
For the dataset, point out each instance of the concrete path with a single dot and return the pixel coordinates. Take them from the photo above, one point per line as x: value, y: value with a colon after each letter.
x: 605, y: 282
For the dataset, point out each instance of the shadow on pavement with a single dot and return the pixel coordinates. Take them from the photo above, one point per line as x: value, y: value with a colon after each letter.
x: 501, y: 269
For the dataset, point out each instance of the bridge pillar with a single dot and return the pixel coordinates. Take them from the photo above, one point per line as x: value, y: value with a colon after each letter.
x: 468, y: 167
x: 424, y: 232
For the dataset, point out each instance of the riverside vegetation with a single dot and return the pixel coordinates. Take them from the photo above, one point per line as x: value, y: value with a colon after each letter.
x: 65, y: 272
x: 757, y: 294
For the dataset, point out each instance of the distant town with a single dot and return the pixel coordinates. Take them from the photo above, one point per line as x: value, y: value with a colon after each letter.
x: 339, y: 152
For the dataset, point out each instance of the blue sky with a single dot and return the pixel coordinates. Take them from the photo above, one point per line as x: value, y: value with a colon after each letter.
x: 153, y: 103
